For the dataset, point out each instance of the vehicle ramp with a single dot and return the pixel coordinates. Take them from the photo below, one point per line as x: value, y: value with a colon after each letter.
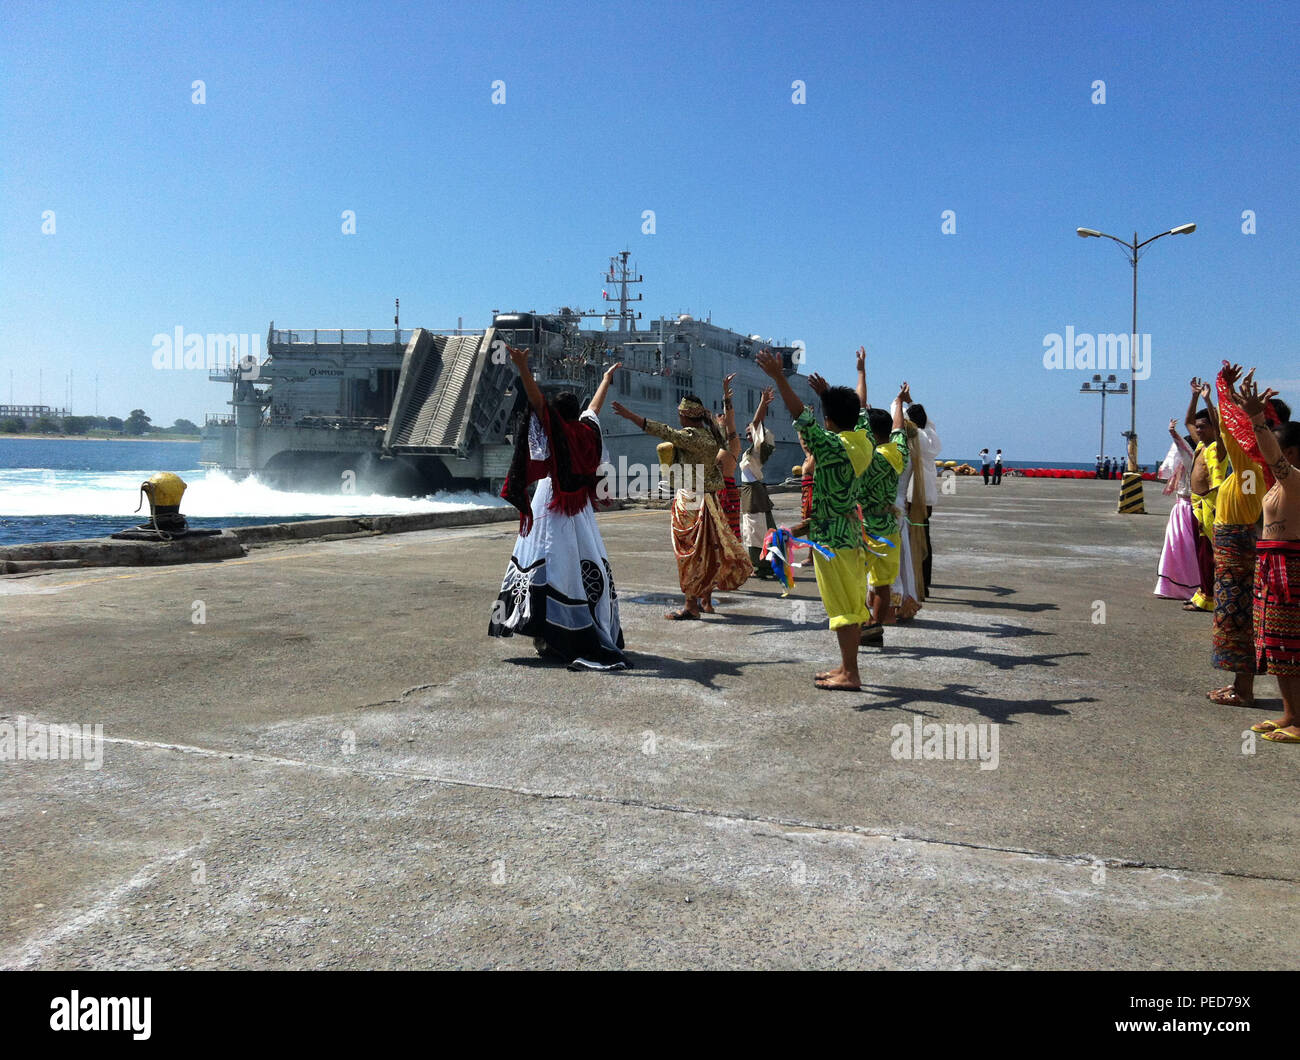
x: 452, y: 394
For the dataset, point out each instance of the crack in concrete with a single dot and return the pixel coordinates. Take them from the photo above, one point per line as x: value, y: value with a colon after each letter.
x: 401, y: 696
x: 695, y: 811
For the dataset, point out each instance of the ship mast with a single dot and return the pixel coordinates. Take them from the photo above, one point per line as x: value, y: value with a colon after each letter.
x: 620, y: 274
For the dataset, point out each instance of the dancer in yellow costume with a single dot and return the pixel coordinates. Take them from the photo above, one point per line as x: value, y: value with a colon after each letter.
x: 842, y: 454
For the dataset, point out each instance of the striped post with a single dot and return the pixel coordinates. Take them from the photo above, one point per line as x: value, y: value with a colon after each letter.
x: 1130, y: 495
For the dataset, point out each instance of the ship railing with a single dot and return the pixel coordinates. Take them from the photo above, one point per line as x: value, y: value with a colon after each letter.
x: 645, y: 362
x: 355, y: 336
x: 218, y: 419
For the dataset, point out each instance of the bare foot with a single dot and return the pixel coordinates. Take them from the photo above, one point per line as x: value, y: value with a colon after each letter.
x: 840, y: 683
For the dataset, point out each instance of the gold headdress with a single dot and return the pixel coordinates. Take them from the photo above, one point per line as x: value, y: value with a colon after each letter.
x: 692, y: 410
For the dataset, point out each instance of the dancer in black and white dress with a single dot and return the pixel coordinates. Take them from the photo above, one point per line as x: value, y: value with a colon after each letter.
x: 558, y: 587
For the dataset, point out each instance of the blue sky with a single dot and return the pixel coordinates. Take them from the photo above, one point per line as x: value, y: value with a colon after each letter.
x: 819, y: 221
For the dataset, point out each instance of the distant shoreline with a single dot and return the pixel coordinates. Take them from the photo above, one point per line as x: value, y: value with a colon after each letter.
x: 192, y: 439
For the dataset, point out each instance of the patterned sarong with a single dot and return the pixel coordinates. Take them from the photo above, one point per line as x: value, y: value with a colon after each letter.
x: 729, y: 502
x: 1277, y: 608
x: 1234, y: 579
x: 709, y: 556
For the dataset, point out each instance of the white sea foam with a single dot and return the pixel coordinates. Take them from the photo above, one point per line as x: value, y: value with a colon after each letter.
x: 36, y: 492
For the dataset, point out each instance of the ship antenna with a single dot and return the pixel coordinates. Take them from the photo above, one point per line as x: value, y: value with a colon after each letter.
x: 623, y: 277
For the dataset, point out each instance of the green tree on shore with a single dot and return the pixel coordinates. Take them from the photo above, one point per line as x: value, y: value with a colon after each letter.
x: 137, y: 423
x: 12, y: 425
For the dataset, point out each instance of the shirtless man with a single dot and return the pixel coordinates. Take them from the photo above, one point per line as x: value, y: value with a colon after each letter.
x: 1277, y: 618
x: 1207, y: 475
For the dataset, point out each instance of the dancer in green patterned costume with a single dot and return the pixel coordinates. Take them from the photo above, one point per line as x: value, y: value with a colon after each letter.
x: 842, y: 454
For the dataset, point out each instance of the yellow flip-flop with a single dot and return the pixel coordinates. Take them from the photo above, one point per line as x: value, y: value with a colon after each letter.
x: 1278, y: 736
x: 1265, y: 726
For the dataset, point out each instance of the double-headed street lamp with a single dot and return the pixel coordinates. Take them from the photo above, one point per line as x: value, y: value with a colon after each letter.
x: 1131, y: 251
x: 1103, y: 387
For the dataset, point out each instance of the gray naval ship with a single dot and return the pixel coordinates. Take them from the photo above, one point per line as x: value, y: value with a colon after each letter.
x: 413, y: 412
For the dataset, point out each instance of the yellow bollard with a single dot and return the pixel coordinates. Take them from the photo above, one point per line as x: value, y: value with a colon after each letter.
x: 164, y: 490
x: 1130, y: 495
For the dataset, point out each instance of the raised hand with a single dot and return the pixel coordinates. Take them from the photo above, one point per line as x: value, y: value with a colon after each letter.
x: 862, y: 358
x: 726, y: 384
x: 519, y: 356
x: 1173, y: 428
x: 770, y: 363
x: 904, y: 393
x: 769, y: 395
x: 1231, y: 373
x: 609, y: 372
x: 622, y: 410
x: 1197, y: 385
x: 818, y: 384
x: 1250, y: 400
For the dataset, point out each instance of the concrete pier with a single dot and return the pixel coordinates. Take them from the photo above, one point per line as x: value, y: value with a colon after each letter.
x: 314, y: 757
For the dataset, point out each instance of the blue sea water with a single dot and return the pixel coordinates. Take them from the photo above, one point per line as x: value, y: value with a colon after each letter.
x: 64, y: 489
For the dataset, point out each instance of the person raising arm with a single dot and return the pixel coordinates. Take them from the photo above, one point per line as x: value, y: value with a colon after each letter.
x: 1277, y: 602
x: 534, y: 392
x: 602, y: 391
x: 842, y: 454
x: 728, y: 459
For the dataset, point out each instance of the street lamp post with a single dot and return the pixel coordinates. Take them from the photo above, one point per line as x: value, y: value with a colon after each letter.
x: 1131, y: 251
x: 1103, y: 387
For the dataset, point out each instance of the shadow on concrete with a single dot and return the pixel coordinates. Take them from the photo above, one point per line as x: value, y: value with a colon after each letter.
x: 983, y: 604
x: 653, y: 600
x: 996, y: 590
x: 998, y: 631
x: 1000, y: 660
x: 703, y: 672
x: 966, y: 697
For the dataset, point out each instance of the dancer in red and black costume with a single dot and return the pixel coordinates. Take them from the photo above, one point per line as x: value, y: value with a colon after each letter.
x: 558, y: 587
